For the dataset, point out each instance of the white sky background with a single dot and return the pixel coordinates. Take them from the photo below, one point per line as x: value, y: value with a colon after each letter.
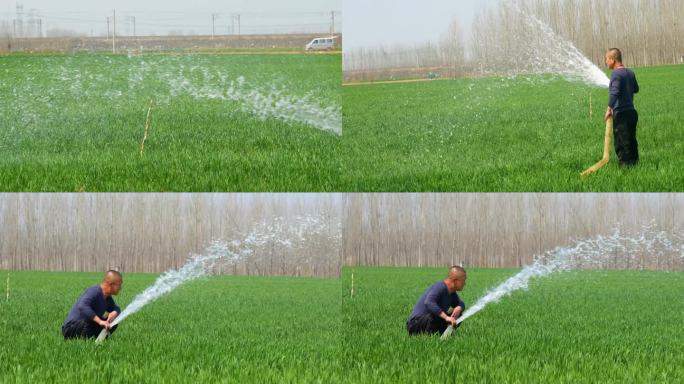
x: 388, y: 22
x: 162, y: 16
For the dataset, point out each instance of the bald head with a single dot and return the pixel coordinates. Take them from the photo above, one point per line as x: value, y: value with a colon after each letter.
x: 456, y: 272
x: 112, y: 276
x: 613, y: 58
x: 615, y: 54
x: 456, y: 278
x: 111, y: 283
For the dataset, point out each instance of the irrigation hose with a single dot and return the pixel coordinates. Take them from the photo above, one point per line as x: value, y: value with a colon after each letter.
x: 447, y: 332
x: 102, y: 336
x: 606, y: 150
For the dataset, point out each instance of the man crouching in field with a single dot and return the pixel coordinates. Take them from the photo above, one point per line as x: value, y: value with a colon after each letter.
x: 439, y: 306
x: 87, y: 316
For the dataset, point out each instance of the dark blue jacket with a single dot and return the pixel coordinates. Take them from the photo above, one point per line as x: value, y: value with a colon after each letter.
x: 623, y: 86
x: 435, y: 300
x: 92, y: 302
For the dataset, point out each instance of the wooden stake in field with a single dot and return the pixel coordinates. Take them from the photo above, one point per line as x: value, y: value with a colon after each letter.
x: 7, y: 294
x: 352, y: 285
x: 147, y: 126
x: 606, y: 150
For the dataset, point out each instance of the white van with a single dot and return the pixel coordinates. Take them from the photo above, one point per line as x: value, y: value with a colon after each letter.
x: 321, y: 43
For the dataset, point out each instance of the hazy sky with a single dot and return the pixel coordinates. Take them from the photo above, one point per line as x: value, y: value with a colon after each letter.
x: 375, y: 22
x: 162, y: 16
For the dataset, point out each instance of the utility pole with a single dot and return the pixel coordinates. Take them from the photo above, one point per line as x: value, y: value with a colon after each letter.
x: 129, y: 20
x: 114, y: 33
x: 236, y: 16
x: 332, y: 25
x: 19, y: 21
x: 213, y: 25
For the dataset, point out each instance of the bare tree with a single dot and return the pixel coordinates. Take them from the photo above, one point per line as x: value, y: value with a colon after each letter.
x: 506, y: 230
x: 155, y: 232
x: 648, y: 31
x: 445, y: 58
x: 505, y: 41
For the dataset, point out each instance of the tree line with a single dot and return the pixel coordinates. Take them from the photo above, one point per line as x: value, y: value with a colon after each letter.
x: 509, y: 230
x: 156, y: 232
x: 650, y: 32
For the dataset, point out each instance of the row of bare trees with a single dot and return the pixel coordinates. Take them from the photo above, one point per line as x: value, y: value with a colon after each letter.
x: 403, y: 60
x: 506, y: 230
x: 650, y: 32
x: 155, y: 232
x: 449, y: 51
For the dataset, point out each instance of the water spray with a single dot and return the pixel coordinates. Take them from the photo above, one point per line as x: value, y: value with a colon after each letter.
x: 276, y: 232
x: 590, y: 253
x: 274, y: 101
x: 194, y: 268
x: 562, y: 56
x: 581, y: 68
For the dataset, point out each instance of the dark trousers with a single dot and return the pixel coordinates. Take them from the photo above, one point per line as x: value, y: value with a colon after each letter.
x: 427, y: 323
x: 82, y: 329
x: 624, y: 133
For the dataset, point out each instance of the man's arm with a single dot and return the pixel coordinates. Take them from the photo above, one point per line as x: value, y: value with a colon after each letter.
x: 85, y: 305
x: 462, y: 305
x: 431, y: 304
x: 112, y: 316
x: 113, y: 310
x: 609, y: 113
x: 111, y: 306
x: 458, y: 307
x: 614, y: 92
x: 636, y: 85
x: 100, y: 322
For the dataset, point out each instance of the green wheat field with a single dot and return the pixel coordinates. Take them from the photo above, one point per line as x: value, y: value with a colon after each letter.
x: 525, y: 133
x: 218, y: 122
x: 232, y: 329
x: 584, y: 326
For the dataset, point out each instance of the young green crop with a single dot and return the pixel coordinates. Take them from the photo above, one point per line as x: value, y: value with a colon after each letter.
x: 576, y: 326
x: 218, y: 122
x: 580, y: 326
x: 506, y: 134
x: 233, y: 329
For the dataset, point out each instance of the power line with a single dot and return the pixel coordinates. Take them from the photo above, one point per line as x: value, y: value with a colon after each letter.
x: 236, y: 24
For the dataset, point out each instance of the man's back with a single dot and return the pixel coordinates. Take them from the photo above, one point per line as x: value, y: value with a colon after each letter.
x: 623, y: 86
